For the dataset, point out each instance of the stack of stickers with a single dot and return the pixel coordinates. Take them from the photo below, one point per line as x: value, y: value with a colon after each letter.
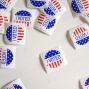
x: 81, y: 8
x: 51, y: 12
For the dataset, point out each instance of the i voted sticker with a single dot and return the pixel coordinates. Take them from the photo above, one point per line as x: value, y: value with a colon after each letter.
x: 16, y: 84
x: 24, y: 17
x: 36, y: 3
x: 80, y: 36
x: 15, y: 34
x: 7, y: 57
x: 53, y: 8
x: 44, y: 24
x: 79, y: 6
x: 53, y: 59
x: 7, y: 4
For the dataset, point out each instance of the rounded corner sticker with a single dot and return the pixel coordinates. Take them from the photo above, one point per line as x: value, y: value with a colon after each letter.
x: 14, y: 33
x: 6, y: 56
x: 81, y: 35
x: 45, y: 22
x: 53, y: 59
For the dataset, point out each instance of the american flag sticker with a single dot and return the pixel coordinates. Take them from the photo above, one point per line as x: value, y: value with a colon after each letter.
x: 79, y: 6
x: 23, y: 17
x: 53, y: 7
x: 4, y: 4
x: 15, y: 34
x: 38, y: 3
x: 53, y: 59
x: 6, y: 57
x: 81, y: 35
x: 43, y: 21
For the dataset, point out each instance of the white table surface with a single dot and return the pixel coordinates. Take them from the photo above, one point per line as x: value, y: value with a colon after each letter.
x: 28, y: 65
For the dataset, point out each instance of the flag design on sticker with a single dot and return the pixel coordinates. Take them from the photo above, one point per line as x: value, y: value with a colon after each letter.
x: 87, y: 83
x: 23, y: 17
x: 6, y: 56
x: 45, y: 22
x: 79, y: 5
x: 38, y: 3
x: 53, y: 59
x: 6, y: 19
x: 53, y: 7
x: 1, y: 20
x: 81, y: 35
x: 15, y: 86
x: 14, y: 33
x: 4, y: 4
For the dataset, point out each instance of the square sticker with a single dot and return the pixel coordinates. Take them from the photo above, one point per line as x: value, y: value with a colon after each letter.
x: 53, y: 59
x: 15, y: 34
x: 80, y: 36
x: 45, y: 25
x: 7, y: 56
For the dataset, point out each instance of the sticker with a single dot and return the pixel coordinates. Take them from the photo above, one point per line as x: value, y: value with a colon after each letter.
x: 7, y: 4
x: 24, y: 17
x: 7, y: 57
x: 53, y: 8
x: 80, y: 35
x: 15, y: 34
x: 36, y: 3
x: 53, y: 59
x: 16, y: 84
x: 44, y: 24
x: 79, y: 6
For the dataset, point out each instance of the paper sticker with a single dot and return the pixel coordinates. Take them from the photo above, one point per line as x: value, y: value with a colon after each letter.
x: 15, y: 34
x: 80, y: 35
x: 53, y: 8
x: 53, y: 59
x: 7, y: 57
x: 45, y: 25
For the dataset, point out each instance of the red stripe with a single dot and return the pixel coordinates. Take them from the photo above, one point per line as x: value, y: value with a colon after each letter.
x: 50, y: 66
x: 40, y: 19
x: 19, y: 39
x: 20, y: 33
x: 55, y: 64
x: 40, y: 22
x: 19, y: 28
x: 81, y: 29
x: 84, y: 29
x: 42, y: 15
x: 76, y: 32
x: 21, y: 36
x: 58, y: 63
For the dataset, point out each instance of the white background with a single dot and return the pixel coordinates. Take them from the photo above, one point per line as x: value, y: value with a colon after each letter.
x: 28, y: 65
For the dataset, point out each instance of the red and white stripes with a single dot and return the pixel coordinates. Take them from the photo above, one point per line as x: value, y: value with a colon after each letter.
x: 56, y: 4
x: 85, y: 3
x: 55, y: 64
x: 41, y: 18
x: 79, y: 30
